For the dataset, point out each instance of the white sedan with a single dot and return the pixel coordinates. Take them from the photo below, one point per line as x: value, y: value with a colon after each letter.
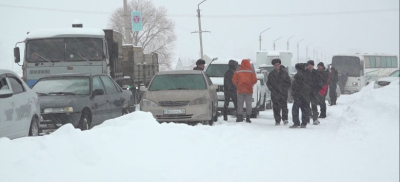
x: 392, y: 78
x: 19, y: 107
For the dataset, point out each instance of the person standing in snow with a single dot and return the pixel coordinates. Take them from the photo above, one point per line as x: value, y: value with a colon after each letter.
x: 316, y: 84
x: 325, y: 76
x: 199, y: 65
x: 279, y: 83
x: 301, y: 96
x: 244, y: 79
x: 342, y: 81
x: 229, y: 88
x: 333, y: 85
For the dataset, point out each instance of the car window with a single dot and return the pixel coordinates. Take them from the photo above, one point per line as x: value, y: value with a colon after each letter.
x: 109, y: 85
x: 97, y: 83
x: 16, y: 85
x: 4, y: 84
x: 63, y: 85
x: 217, y: 70
x: 178, y: 82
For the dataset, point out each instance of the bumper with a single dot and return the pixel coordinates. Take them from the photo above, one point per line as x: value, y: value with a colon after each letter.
x: 193, y: 114
x: 55, y: 120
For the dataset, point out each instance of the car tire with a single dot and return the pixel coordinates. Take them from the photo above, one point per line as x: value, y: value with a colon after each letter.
x: 125, y: 111
x: 84, y: 121
x: 34, y: 129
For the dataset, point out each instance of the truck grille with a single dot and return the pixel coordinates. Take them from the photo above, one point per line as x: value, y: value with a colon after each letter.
x: 175, y: 116
x: 173, y: 103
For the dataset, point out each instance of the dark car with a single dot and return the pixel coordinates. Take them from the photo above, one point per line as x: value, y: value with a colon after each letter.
x: 83, y: 100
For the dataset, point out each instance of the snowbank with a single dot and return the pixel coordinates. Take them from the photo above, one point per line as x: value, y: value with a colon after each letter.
x: 359, y: 141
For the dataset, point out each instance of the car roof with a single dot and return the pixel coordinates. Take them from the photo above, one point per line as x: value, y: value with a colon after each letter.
x: 225, y: 60
x: 180, y: 72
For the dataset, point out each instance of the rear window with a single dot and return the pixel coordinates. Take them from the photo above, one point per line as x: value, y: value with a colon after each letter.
x: 217, y: 70
x: 70, y: 85
x: 178, y: 82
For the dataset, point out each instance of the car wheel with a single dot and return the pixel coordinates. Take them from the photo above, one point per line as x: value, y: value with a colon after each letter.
x: 206, y: 122
x: 125, y: 111
x: 34, y: 128
x: 84, y: 122
x: 269, y: 105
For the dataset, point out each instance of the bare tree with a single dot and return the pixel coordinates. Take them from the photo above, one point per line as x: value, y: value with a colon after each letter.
x: 158, y: 31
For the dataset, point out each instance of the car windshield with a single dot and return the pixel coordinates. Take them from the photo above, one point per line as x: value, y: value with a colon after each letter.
x: 68, y: 49
x: 395, y: 73
x: 217, y: 70
x: 347, y: 64
x: 178, y: 82
x: 63, y: 85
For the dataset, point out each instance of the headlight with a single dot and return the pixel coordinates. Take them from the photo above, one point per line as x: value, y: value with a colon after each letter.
x: 148, y: 103
x: 355, y: 83
x: 199, y: 101
x: 59, y: 110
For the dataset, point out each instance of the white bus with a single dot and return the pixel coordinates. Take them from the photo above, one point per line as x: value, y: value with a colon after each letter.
x: 362, y: 69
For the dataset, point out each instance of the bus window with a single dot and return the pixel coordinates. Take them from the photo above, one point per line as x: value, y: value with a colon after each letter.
x: 383, y: 61
x: 378, y: 62
x: 394, y: 62
x: 388, y: 62
x: 372, y: 62
x: 367, y: 65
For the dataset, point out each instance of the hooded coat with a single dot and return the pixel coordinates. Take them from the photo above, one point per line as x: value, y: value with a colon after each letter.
x: 229, y: 87
x: 244, y: 78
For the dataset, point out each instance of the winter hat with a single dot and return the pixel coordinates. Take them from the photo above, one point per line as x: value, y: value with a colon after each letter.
x: 310, y: 62
x: 274, y: 61
x: 300, y: 66
x: 321, y: 64
x: 200, y: 62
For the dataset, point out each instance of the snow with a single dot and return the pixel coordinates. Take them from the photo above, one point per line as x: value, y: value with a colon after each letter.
x: 66, y: 32
x: 358, y: 141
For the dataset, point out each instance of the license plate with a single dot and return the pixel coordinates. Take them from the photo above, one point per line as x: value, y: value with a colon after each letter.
x: 174, y: 111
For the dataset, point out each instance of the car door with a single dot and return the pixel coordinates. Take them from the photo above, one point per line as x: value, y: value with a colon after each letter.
x: 18, y: 108
x: 100, y: 103
x: 116, y: 97
x: 6, y: 108
x: 213, y: 93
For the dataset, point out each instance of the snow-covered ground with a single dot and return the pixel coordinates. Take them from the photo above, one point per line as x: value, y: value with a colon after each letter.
x: 358, y: 141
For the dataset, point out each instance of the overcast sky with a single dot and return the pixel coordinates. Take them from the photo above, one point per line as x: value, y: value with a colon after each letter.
x: 231, y: 35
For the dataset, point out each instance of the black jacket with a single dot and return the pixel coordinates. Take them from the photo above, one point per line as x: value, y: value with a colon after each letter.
x: 324, y: 74
x: 301, y: 86
x: 315, y: 81
x: 334, y: 78
x: 228, y: 85
x: 198, y: 68
x: 278, y: 83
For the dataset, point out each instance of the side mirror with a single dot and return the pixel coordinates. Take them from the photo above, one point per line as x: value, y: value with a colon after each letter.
x: 214, y: 87
x: 17, y: 58
x: 143, y: 89
x: 98, y: 92
x: 5, y: 93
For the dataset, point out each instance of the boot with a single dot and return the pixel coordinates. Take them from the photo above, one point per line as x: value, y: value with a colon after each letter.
x: 239, y: 118
x: 225, y: 117
x: 248, y: 119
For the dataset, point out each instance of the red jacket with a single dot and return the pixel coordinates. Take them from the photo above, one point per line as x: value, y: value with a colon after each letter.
x: 244, y: 78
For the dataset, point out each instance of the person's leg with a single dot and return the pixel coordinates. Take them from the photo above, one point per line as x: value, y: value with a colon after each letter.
x: 239, y: 112
x: 334, y: 95
x: 295, y: 113
x: 314, y: 110
x: 276, y: 109
x: 234, y: 99
x: 248, y: 99
x: 322, y: 104
x: 226, y: 103
x: 305, y: 118
x: 285, y: 110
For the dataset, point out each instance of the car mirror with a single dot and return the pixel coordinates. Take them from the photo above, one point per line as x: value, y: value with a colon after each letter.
x: 16, y: 55
x: 214, y: 87
x: 143, y: 89
x: 98, y: 92
x: 5, y: 93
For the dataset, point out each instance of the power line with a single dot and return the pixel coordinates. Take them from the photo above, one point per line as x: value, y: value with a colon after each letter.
x: 218, y: 16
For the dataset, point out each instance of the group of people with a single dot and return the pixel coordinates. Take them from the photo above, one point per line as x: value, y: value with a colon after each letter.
x: 309, y: 88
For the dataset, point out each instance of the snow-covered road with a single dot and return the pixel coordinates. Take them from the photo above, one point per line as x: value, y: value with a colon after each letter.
x: 358, y: 141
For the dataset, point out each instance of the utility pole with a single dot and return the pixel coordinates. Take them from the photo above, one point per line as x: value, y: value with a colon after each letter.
x: 200, y: 31
x: 314, y: 52
x: 275, y: 41
x: 298, y: 54
x: 288, y: 41
x: 307, y: 51
x: 128, y: 39
x: 260, y: 36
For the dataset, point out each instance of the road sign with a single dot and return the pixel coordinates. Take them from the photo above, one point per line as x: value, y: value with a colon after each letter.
x: 136, y: 19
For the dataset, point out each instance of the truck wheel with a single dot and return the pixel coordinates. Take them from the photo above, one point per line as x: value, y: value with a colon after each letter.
x: 84, y: 121
x: 34, y: 128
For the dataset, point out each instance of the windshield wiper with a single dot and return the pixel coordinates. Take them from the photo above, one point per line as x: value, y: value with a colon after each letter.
x: 84, y: 58
x: 41, y: 93
x: 178, y: 89
x: 43, y: 58
x: 63, y: 93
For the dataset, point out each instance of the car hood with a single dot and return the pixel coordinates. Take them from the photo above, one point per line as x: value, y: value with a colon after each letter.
x: 174, y: 95
x: 56, y: 101
x: 388, y: 79
x: 217, y: 80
